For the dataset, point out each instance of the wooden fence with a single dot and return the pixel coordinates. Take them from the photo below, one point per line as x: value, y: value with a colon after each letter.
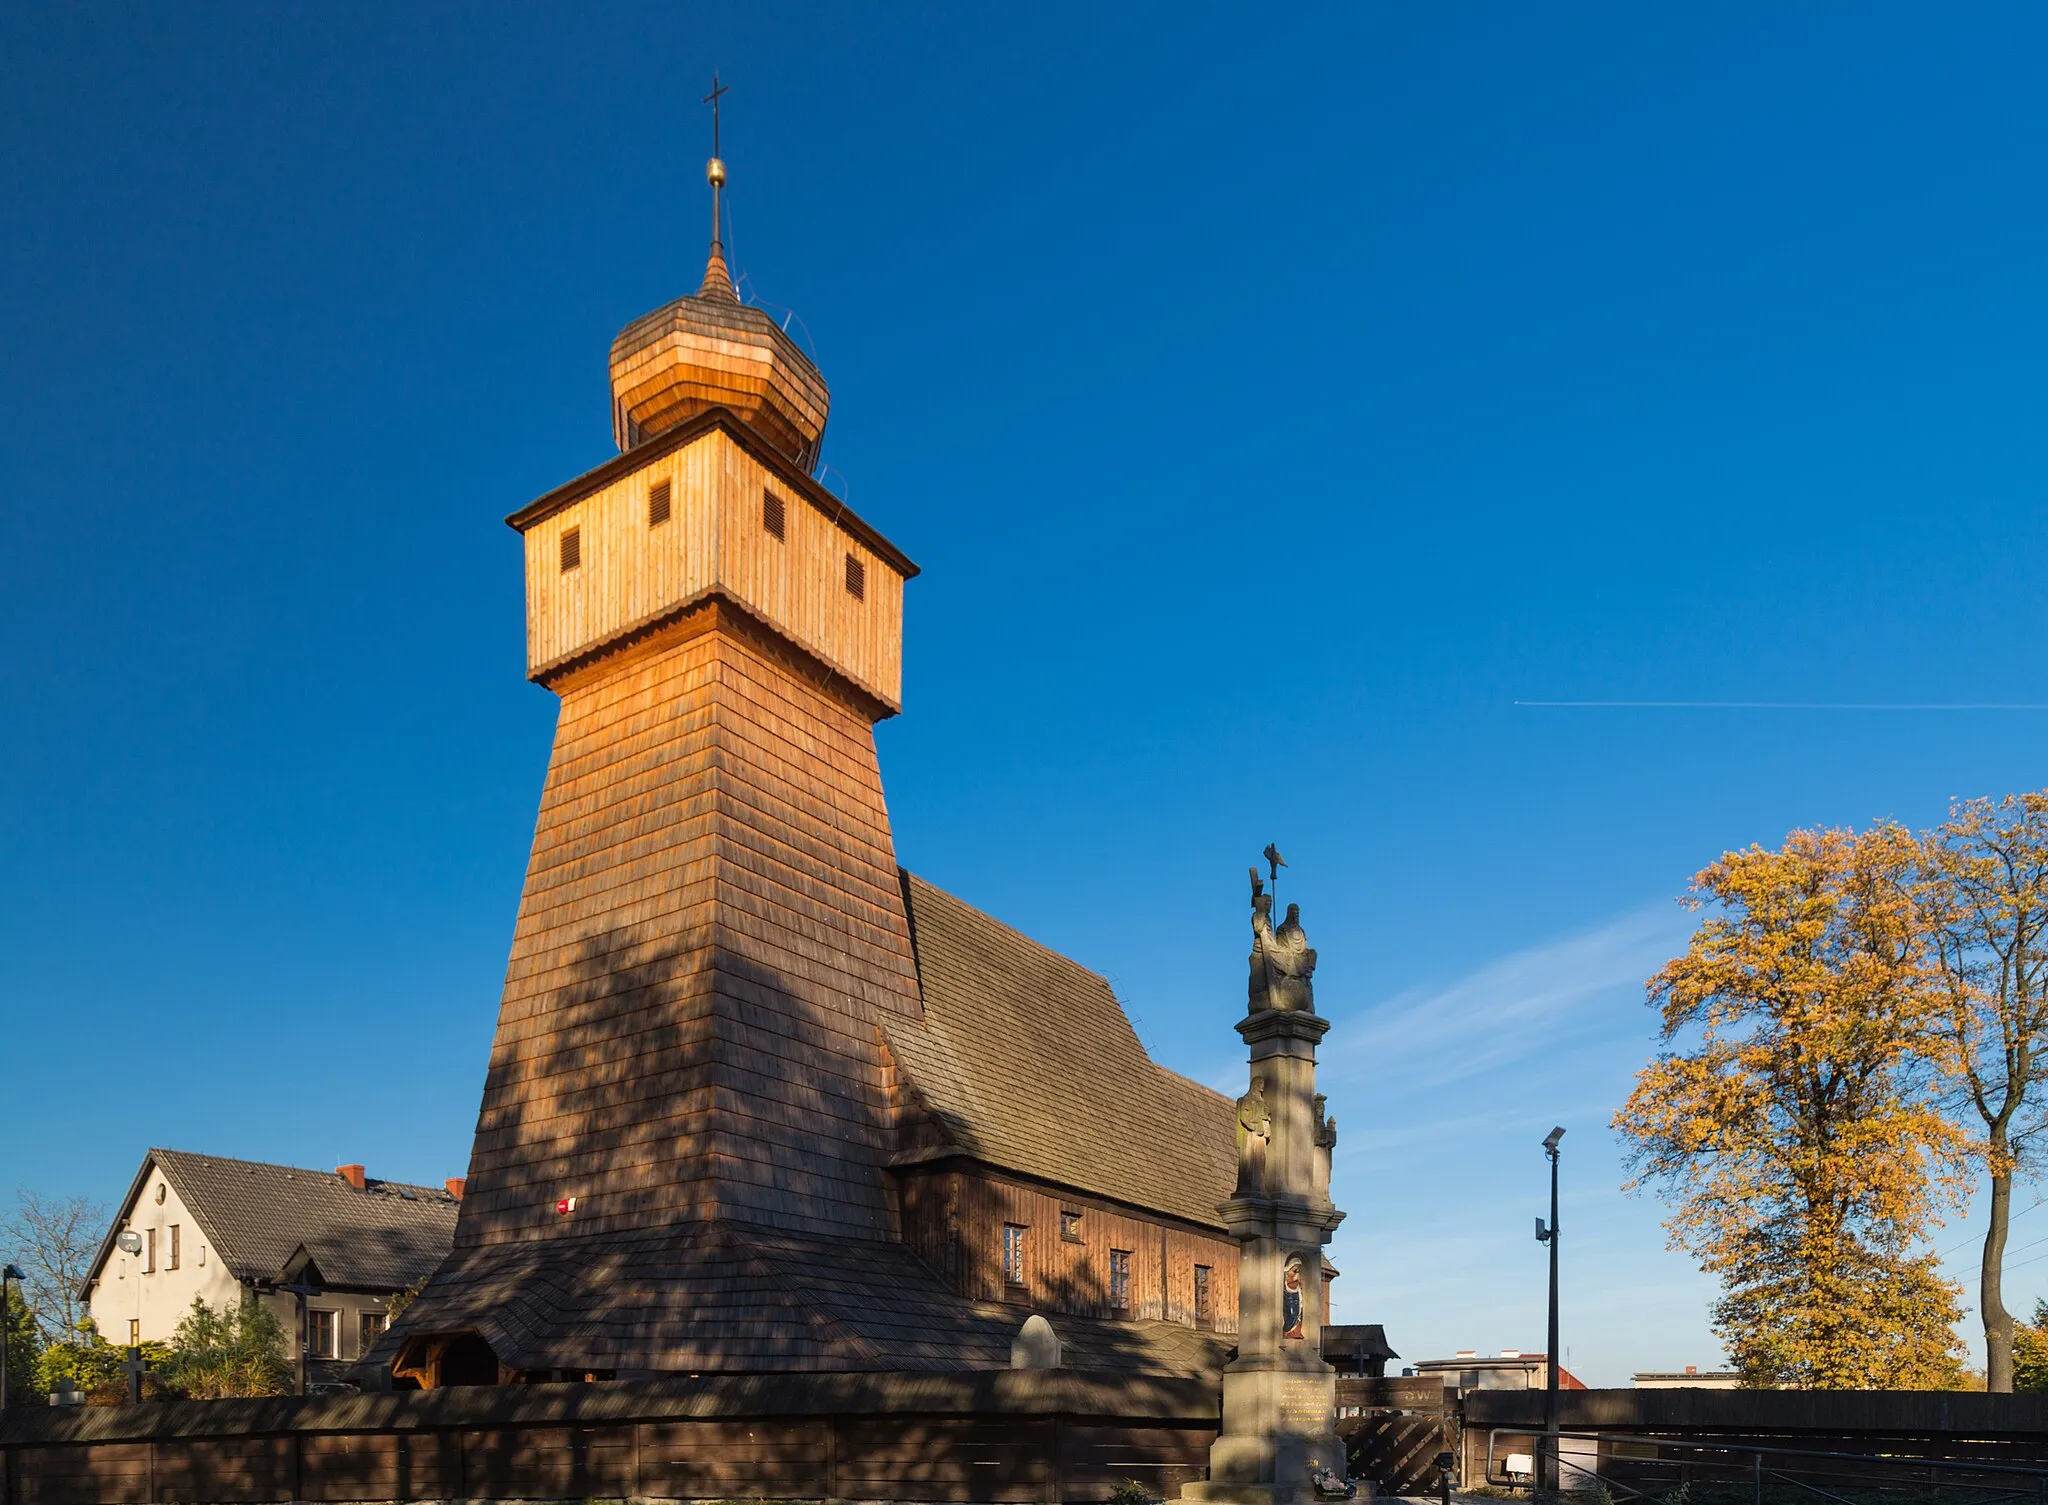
x: 1007, y: 1436
x: 1689, y: 1431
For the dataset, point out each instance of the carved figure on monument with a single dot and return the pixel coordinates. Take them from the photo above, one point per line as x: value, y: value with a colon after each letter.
x: 1254, y: 1133
x: 1283, y: 964
x: 1326, y: 1144
x: 1290, y: 1302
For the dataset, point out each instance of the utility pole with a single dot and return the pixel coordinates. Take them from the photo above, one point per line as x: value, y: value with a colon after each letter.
x: 1548, y: 1466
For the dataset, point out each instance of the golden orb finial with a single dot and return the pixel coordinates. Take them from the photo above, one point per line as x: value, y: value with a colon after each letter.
x: 714, y: 173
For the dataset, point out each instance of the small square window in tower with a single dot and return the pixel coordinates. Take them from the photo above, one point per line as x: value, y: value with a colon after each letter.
x: 657, y: 504
x: 856, y: 579
x: 771, y: 514
x: 1013, y: 1254
x: 572, y: 549
x: 1119, y: 1280
x: 1070, y: 1227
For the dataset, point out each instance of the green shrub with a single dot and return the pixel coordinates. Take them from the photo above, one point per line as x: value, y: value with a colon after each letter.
x: 223, y: 1351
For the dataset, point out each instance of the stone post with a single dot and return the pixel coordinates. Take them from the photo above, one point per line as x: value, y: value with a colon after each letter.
x: 1279, y: 1397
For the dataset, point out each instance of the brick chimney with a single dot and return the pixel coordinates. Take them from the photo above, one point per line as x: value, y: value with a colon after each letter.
x: 454, y: 1185
x: 353, y: 1175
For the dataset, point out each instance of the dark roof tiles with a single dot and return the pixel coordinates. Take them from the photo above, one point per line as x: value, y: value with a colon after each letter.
x: 257, y: 1216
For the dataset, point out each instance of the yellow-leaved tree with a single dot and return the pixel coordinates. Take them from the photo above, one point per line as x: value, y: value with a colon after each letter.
x: 1793, y: 1118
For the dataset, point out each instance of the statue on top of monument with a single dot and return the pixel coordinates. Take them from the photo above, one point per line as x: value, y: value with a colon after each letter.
x: 1283, y: 964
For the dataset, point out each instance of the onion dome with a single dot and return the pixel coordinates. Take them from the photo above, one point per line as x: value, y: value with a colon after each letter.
x: 711, y: 350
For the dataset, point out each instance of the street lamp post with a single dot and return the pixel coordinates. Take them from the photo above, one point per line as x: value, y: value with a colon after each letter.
x: 129, y: 1242
x: 7, y: 1273
x: 1548, y: 1464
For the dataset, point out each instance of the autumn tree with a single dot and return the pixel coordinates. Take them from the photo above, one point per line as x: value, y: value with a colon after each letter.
x: 1984, y: 893
x: 1792, y: 1119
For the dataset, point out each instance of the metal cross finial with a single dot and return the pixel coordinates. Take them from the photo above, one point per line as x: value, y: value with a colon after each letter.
x: 712, y: 99
x: 714, y: 170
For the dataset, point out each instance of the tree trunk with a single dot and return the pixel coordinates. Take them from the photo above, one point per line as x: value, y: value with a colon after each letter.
x: 1991, y: 1295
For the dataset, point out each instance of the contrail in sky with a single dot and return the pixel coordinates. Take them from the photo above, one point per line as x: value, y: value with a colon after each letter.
x: 1783, y: 705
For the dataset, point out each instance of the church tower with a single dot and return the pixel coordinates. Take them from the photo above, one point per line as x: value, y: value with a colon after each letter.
x: 712, y: 922
x: 759, y: 1100
x: 712, y: 928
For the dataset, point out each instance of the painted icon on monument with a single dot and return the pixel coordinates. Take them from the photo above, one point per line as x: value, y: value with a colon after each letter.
x: 1290, y: 1302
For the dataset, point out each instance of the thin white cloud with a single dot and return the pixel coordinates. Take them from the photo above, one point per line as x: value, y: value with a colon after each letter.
x: 1521, y: 1005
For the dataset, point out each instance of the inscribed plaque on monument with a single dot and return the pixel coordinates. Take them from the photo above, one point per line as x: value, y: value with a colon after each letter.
x: 1304, y: 1405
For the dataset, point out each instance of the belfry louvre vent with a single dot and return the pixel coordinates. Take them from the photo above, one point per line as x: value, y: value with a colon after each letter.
x: 572, y: 549
x: 771, y: 513
x: 856, y: 579
x: 657, y: 504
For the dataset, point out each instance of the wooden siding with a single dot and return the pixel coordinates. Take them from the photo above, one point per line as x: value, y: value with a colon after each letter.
x: 713, y: 543
x: 954, y: 1220
x: 711, y: 927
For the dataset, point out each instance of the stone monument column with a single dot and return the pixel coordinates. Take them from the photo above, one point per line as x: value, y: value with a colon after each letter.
x: 1279, y: 1397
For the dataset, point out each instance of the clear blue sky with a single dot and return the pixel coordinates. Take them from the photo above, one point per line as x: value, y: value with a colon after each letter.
x: 1273, y: 398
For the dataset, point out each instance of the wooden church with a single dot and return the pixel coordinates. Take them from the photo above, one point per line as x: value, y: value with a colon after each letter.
x: 759, y: 1099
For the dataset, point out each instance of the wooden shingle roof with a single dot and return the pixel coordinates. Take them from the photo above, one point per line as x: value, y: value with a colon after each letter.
x: 1026, y: 1060
x: 731, y: 1297
x: 257, y: 1216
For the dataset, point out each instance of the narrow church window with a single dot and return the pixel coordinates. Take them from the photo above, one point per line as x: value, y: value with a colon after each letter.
x: 1120, y: 1280
x: 771, y: 513
x: 1013, y: 1254
x: 572, y: 549
x: 657, y: 504
x: 856, y: 579
x: 1070, y: 1227
x: 149, y: 1253
x: 172, y: 1262
x: 1205, y: 1314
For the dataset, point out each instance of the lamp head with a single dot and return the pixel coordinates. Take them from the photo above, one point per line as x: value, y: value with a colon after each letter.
x: 12, y: 1272
x: 1550, y: 1143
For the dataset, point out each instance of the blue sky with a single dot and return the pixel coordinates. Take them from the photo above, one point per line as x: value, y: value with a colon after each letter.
x: 1273, y: 398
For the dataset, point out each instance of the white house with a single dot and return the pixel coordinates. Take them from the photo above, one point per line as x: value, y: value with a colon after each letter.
x: 324, y: 1250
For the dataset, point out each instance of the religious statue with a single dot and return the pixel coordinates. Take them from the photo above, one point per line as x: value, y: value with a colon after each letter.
x: 1283, y: 964
x: 1290, y: 1302
x: 1254, y: 1133
x: 1325, y: 1131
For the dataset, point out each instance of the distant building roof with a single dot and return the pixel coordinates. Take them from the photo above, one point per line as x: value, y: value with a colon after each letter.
x: 1670, y: 1379
x: 1513, y: 1360
x: 1356, y: 1341
x: 258, y: 1217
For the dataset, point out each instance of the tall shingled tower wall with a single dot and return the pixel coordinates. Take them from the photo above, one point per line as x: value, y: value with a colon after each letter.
x: 712, y: 926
